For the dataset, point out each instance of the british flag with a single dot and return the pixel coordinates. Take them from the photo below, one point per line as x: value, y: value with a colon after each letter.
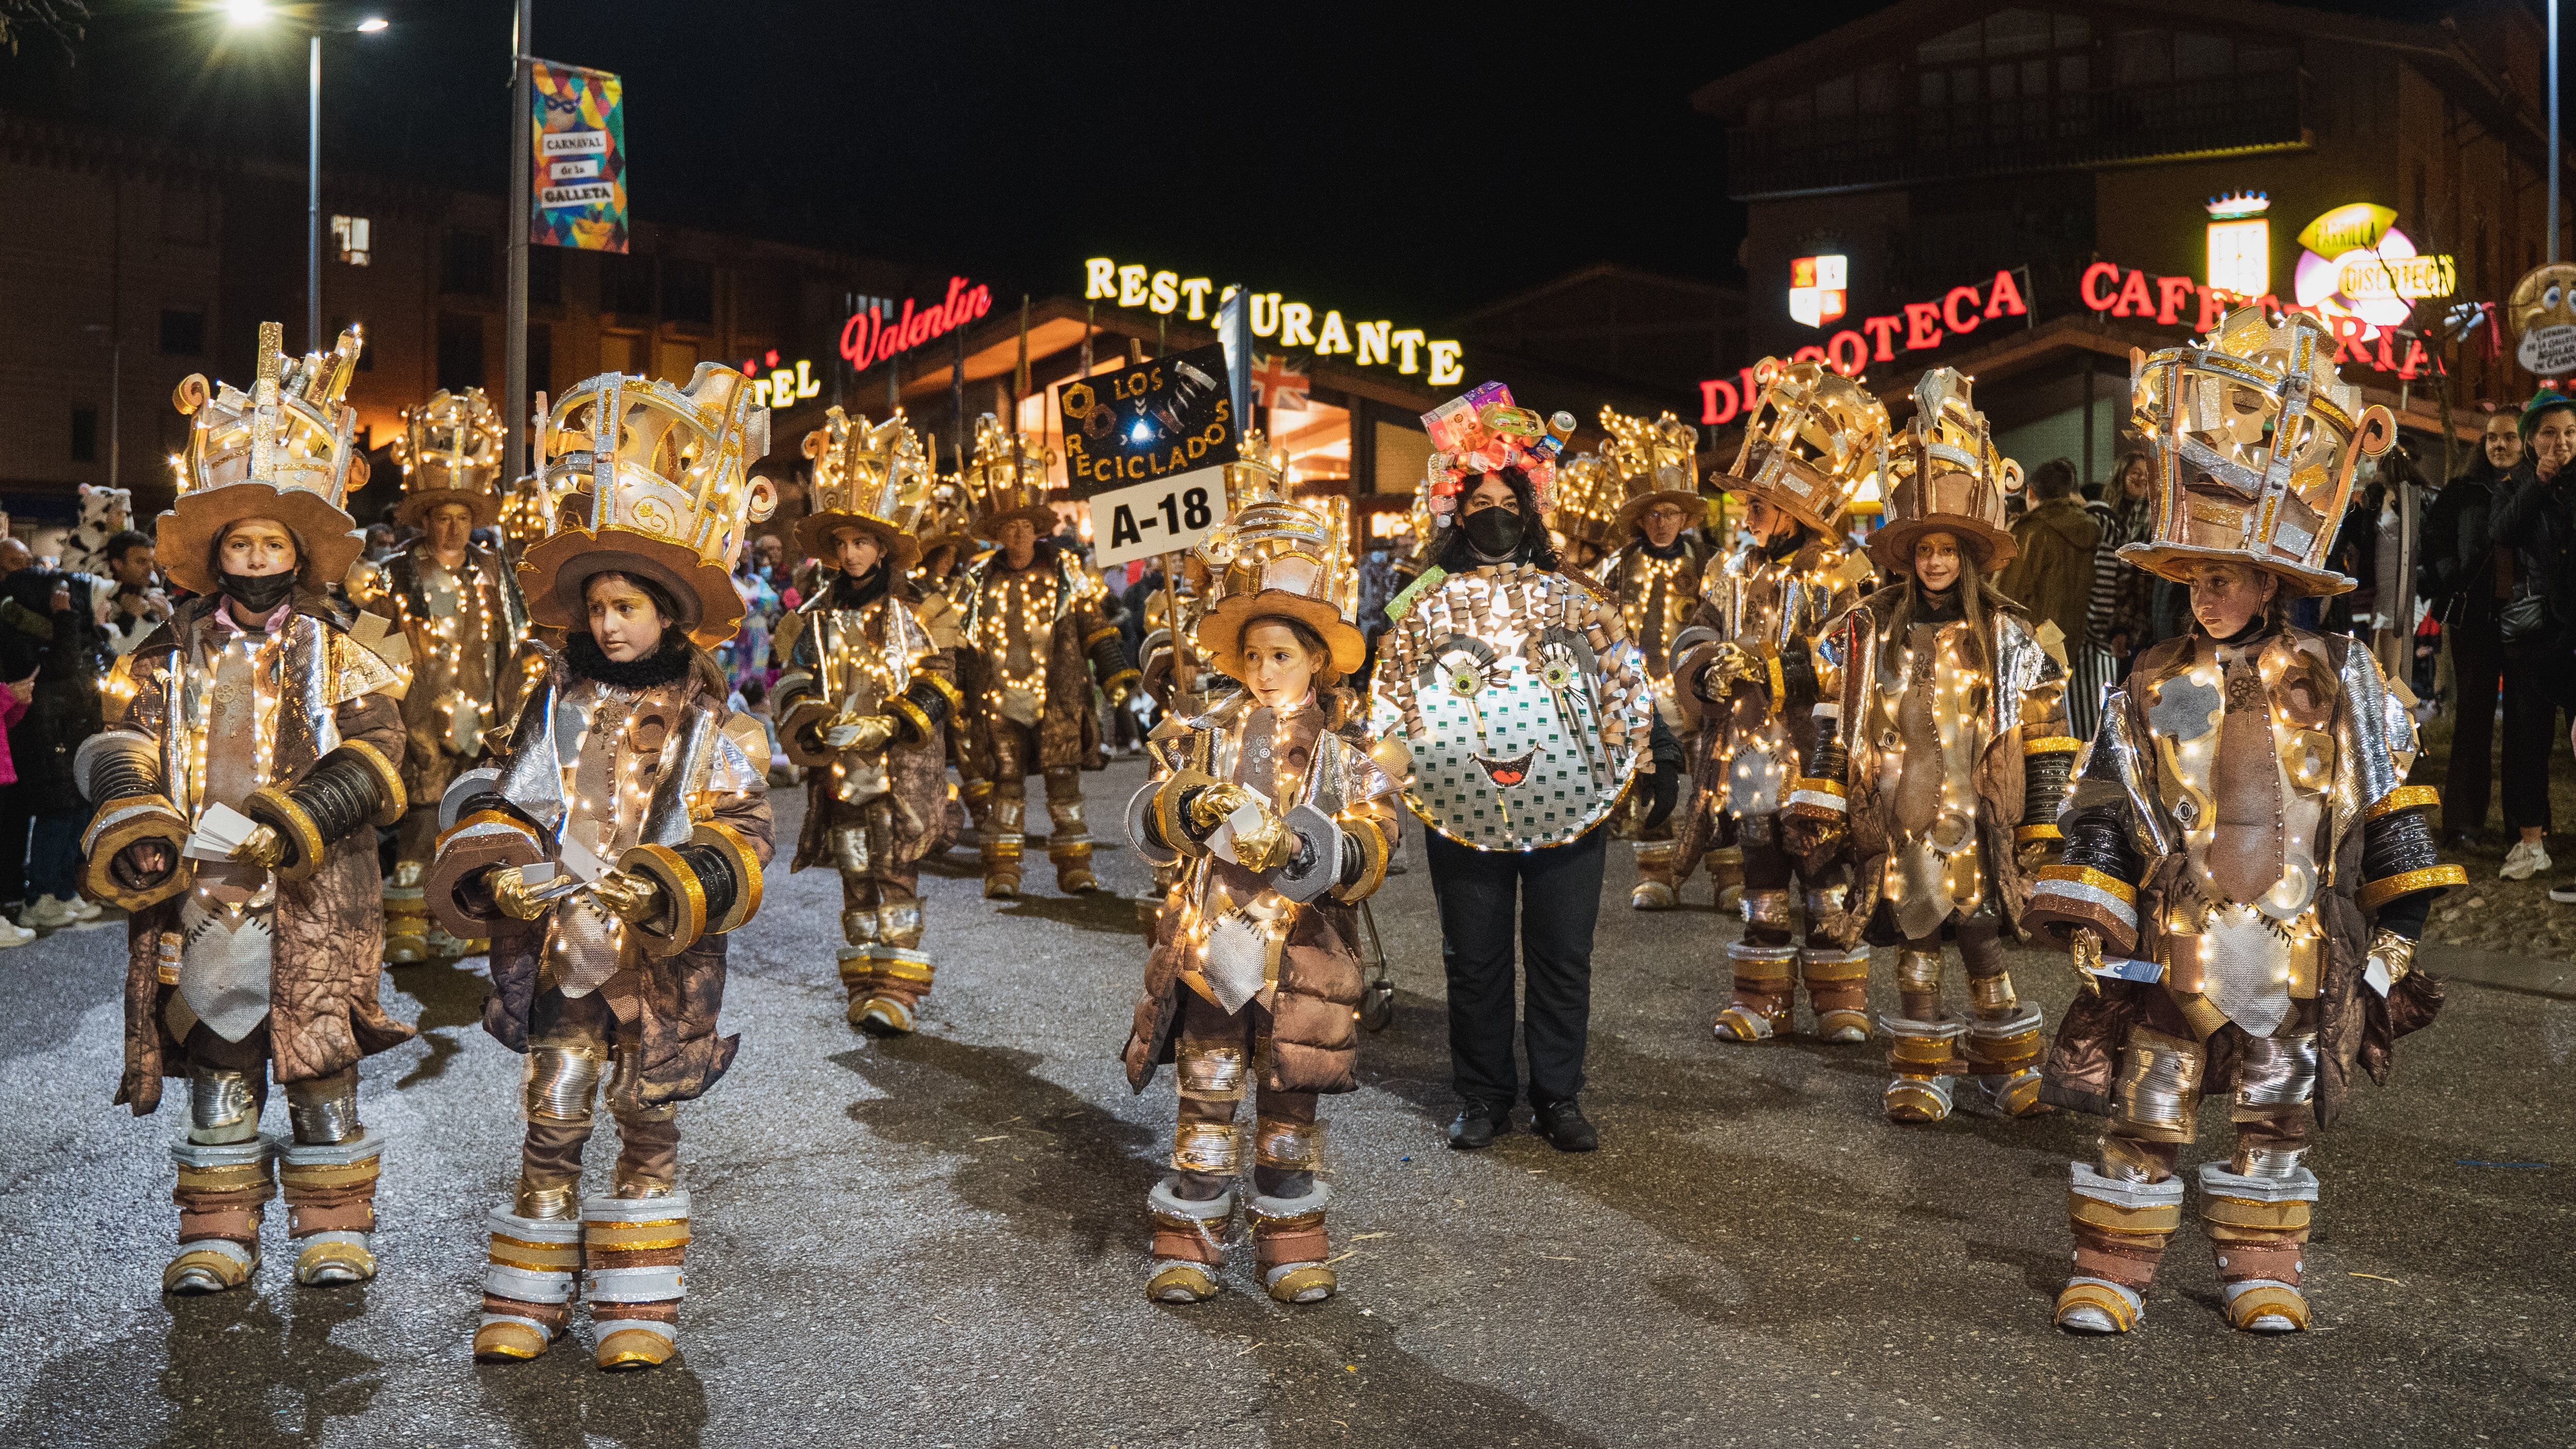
x: 1277, y: 383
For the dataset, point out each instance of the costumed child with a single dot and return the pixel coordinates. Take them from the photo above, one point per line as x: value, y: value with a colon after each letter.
x: 617, y: 839
x: 253, y: 747
x: 1281, y: 823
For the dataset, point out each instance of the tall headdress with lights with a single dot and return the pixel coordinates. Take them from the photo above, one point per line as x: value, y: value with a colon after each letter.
x: 286, y: 450
x: 1943, y: 475
x: 1007, y: 479
x: 870, y: 477
x: 1655, y: 463
x: 450, y: 452
x: 2254, y: 438
x: 945, y: 520
x: 1484, y: 432
x: 1288, y: 560
x: 1588, y: 495
x: 652, y: 480
x: 1812, y: 438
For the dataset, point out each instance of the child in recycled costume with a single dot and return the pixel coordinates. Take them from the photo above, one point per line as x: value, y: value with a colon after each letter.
x: 2244, y: 878
x: 1745, y: 683
x: 865, y: 707
x: 257, y: 733
x: 1281, y: 823
x: 1941, y: 742
x: 618, y: 838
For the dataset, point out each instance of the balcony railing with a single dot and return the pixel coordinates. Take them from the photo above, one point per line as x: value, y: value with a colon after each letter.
x: 2076, y: 131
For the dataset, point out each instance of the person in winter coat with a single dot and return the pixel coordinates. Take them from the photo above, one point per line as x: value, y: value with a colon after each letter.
x: 2051, y: 573
x: 2468, y: 580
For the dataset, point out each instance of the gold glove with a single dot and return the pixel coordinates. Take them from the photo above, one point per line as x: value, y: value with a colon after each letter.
x: 510, y: 892
x: 634, y: 898
x: 1266, y: 846
x: 1728, y: 665
x: 2033, y: 854
x: 2394, y: 953
x: 263, y: 847
x: 2084, y: 953
x: 866, y: 733
x: 1216, y: 802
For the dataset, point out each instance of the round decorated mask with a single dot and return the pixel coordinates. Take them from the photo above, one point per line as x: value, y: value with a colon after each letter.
x: 2543, y: 313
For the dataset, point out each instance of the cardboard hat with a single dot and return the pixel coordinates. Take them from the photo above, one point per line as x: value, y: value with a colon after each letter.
x: 2253, y: 437
x: 1944, y: 475
x: 450, y: 452
x: 286, y: 450
x: 654, y: 481
x: 1812, y: 438
x: 1007, y: 480
x: 867, y: 477
x: 1285, y: 560
x: 1655, y: 462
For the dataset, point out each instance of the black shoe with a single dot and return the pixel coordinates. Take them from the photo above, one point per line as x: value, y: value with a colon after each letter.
x: 1477, y: 1125
x: 1563, y: 1126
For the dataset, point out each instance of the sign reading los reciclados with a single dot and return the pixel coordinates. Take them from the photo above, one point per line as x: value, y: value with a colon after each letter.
x: 579, y: 175
x: 1147, y: 446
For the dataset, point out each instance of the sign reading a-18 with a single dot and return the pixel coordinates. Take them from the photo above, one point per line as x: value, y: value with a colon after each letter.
x: 1147, y: 446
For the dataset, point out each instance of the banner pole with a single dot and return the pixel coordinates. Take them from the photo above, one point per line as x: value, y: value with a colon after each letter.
x: 514, y: 349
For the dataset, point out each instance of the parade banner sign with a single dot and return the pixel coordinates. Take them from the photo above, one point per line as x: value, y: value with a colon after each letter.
x: 1147, y: 446
x: 579, y: 173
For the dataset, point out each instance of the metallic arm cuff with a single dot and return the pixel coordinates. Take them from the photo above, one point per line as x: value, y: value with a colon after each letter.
x: 796, y: 729
x: 2052, y: 745
x: 1172, y: 824
x: 2404, y: 797
x: 2380, y: 892
x: 281, y: 812
x: 684, y: 899
x: 392, y: 800
x: 1142, y: 830
x: 734, y: 855
x: 1368, y: 840
x: 916, y: 726
x: 115, y: 763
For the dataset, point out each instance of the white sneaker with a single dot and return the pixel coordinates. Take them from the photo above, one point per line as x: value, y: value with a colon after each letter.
x: 13, y: 934
x: 2527, y: 859
x: 49, y: 914
x: 84, y: 909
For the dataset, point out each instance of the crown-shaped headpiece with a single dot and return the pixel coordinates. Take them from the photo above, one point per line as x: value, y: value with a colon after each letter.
x: 2254, y: 438
x: 1812, y: 438
x: 1587, y: 501
x: 1655, y: 462
x: 868, y: 476
x: 1007, y: 479
x: 286, y: 450
x: 1944, y: 475
x: 450, y: 452
x: 655, y: 479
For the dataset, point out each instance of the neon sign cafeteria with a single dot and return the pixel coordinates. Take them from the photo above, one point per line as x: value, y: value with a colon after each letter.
x: 1271, y: 315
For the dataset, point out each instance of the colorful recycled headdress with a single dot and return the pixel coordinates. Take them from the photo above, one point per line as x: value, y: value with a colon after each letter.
x: 1587, y: 501
x: 1007, y: 479
x: 450, y: 452
x: 287, y: 450
x: 1282, y: 559
x: 1943, y: 475
x: 2254, y: 438
x: 1812, y: 438
x: 872, y: 478
x: 652, y: 480
x: 1482, y: 433
x: 1656, y: 462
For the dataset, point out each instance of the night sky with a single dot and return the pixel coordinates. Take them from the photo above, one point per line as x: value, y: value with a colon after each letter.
x: 1393, y: 162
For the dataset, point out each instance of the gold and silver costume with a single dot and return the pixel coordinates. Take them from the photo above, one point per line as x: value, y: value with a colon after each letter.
x: 1744, y: 682
x: 2244, y: 874
x: 865, y: 706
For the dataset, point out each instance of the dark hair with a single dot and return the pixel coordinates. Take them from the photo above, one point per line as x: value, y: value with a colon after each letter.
x: 122, y: 542
x: 1979, y: 600
x: 660, y: 596
x: 753, y: 692
x: 2054, y: 479
x: 1537, y: 547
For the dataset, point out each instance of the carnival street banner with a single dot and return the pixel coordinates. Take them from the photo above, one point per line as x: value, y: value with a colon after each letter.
x: 1146, y: 447
x: 579, y: 170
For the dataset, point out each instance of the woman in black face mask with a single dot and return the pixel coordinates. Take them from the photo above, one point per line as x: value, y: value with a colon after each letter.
x: 1483, y: 885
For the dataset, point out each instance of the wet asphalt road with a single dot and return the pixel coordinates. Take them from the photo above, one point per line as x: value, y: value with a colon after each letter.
x: 938, y: 1240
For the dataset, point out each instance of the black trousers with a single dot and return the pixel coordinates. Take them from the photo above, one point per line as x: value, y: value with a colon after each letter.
x: 2536, y: 688
x: 1559, y: 902
x: 2477, y: 666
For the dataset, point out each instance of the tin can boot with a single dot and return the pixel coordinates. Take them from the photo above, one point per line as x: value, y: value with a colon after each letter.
x: 530, y: 1274
x: 1288, y: 1248
x: 2120, y: 1225
x: 1189, y: 1242
x: 1658, y: 885
x: 901, y: 971
x: 2258, y: 1227
x: 221, y: 1193
x: 1763, y: 1001
x: 634, y: 1250
x: 1837, y: 982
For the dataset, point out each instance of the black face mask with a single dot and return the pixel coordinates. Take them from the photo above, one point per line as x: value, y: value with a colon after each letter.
x: 258, y: 593
x: 1494, y: 531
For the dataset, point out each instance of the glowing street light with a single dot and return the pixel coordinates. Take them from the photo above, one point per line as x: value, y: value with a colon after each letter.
x: 246, y: 12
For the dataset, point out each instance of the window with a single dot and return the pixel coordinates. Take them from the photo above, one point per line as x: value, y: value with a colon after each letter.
x: 626, y: 284
x: 460, y: 351
x: 465, y: 263
x: 183, y: 331
x: 689, y: 291
x: 352, y: 234
x: 545, y: 276
x: 2199, y: 57
x: 2141, y: 58
x: 678, y: 359
x: 621, y: 352
x: 84, y: 433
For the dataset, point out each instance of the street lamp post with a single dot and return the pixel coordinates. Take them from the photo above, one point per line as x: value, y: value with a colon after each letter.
x: 257, y: 12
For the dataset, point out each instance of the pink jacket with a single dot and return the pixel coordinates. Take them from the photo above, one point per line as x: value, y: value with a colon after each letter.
x: 12, y: 708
